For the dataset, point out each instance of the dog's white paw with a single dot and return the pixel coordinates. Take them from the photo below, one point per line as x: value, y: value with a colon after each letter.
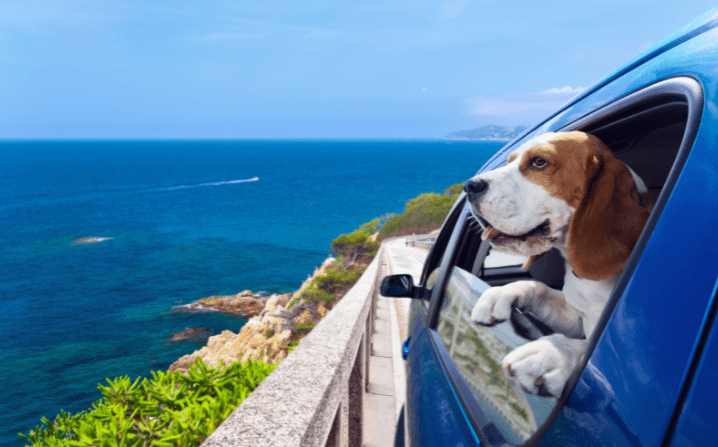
x: 543, y: 366
x: 494, y: 305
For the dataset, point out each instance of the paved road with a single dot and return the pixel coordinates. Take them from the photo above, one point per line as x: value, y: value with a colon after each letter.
x: 387, y: 373
x: 405, y: 259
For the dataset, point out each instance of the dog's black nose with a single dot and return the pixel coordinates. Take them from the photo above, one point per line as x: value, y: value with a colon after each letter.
x: 475, y: 187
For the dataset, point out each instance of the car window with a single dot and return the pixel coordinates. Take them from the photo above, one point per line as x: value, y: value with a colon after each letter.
x: 646, y: 134
x: 497, y: 258
x: 477, y: 351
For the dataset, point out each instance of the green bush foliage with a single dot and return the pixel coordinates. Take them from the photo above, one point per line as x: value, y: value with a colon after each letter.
x: 453, y: 190
x: 423, y: 214
x: 170, y: 410
x: 307, y: 326
x: 337, y: 279
x: 348, y: 247
x: 294, y: 301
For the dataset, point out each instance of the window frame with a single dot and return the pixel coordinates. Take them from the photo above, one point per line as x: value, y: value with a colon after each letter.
x: 686, y: 88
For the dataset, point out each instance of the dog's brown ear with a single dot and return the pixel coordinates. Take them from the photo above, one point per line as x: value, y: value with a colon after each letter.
x: 606, y: 225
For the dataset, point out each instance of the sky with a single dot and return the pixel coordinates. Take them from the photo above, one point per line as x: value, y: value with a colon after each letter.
x: 131, y: 69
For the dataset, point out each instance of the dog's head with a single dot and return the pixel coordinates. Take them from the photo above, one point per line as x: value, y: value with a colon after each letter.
x: 563, y: 189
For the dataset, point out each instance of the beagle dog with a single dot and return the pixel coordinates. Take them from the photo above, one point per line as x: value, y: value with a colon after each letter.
x: 564, y: 190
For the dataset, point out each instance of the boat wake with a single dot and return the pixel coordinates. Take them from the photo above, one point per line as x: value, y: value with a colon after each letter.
x: 90, y: 240
x: 229, y: 182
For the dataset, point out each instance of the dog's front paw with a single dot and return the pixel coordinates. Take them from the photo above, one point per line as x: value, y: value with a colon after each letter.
x: 494, y: 305
x: 543, y: 366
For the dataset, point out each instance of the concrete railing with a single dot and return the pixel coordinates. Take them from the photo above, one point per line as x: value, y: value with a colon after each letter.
x: 315, y: 396
x: 422, y: 241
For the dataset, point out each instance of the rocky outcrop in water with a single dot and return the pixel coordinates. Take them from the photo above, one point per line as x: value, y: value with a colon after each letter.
x: 268, y: 335
x: 243, y: 304
x: 190, y: 334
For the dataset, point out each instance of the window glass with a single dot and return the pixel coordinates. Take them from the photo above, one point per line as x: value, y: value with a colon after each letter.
x: 477, y: 352
x: 497, y: 258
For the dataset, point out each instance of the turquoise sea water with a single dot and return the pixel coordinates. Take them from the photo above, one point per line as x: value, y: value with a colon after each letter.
x: 172, y: 221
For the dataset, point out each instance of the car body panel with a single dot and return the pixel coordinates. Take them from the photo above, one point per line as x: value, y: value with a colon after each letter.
x: 434, y: 414
x: 635, y: 381
x: 696, y: 426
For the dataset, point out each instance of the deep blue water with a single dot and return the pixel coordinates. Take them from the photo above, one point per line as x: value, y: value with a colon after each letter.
x: 183, y: 220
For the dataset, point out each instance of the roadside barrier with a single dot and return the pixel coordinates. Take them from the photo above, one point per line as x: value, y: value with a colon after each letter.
x: 315, y: 396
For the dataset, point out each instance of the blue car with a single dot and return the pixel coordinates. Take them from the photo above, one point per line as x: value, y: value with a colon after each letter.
x: 649, y: 376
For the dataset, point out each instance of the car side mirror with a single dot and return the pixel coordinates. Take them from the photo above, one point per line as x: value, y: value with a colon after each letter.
x: 400, y: 286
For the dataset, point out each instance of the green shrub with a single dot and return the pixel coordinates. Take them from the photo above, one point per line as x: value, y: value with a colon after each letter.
x: 453, y: 190
x: 326, y: 287
x: 294, y: 301
x: 268, y: 333
x: 306, y: 326
x: 371, y: 227
x: 170, y: 410
x: 350, y: 246
x: 423, y: 214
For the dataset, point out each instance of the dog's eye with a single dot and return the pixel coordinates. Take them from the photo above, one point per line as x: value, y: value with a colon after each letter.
x: 538, y: 163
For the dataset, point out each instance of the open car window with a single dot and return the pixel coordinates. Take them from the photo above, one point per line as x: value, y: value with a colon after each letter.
x: 651, y: 131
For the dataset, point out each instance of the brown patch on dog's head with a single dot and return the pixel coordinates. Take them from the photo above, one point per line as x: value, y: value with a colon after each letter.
x: 561, y: 165
x: 610, y: 214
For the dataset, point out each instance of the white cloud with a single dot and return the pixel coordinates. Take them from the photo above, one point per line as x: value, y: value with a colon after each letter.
x: 522, y: 107
x: 562, y: 91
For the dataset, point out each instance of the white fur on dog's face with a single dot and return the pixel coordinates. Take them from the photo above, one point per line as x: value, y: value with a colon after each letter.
x: 514, y: 205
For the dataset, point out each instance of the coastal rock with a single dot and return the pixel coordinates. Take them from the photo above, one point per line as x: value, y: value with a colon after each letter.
x: 190, y: 334
x: 306, y: 317
x: 267, y: 335
x: 275, y: 303
x: 244, y: 304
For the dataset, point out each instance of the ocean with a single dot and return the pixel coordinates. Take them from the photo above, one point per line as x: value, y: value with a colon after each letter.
x: 101, y: 239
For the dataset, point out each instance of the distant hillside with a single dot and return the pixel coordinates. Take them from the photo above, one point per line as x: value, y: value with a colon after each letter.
x: 488, y: 133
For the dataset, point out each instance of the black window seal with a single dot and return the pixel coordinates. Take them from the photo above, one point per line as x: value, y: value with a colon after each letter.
x: 432, y: 316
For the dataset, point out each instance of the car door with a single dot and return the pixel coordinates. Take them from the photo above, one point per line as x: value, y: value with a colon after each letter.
x: 434, y: 415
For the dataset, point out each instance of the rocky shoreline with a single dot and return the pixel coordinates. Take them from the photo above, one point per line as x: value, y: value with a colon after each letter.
x: 273, y: 328
x: 244, y: 304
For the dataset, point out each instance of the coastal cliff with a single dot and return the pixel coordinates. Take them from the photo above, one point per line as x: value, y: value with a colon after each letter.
x: 276, y: 325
